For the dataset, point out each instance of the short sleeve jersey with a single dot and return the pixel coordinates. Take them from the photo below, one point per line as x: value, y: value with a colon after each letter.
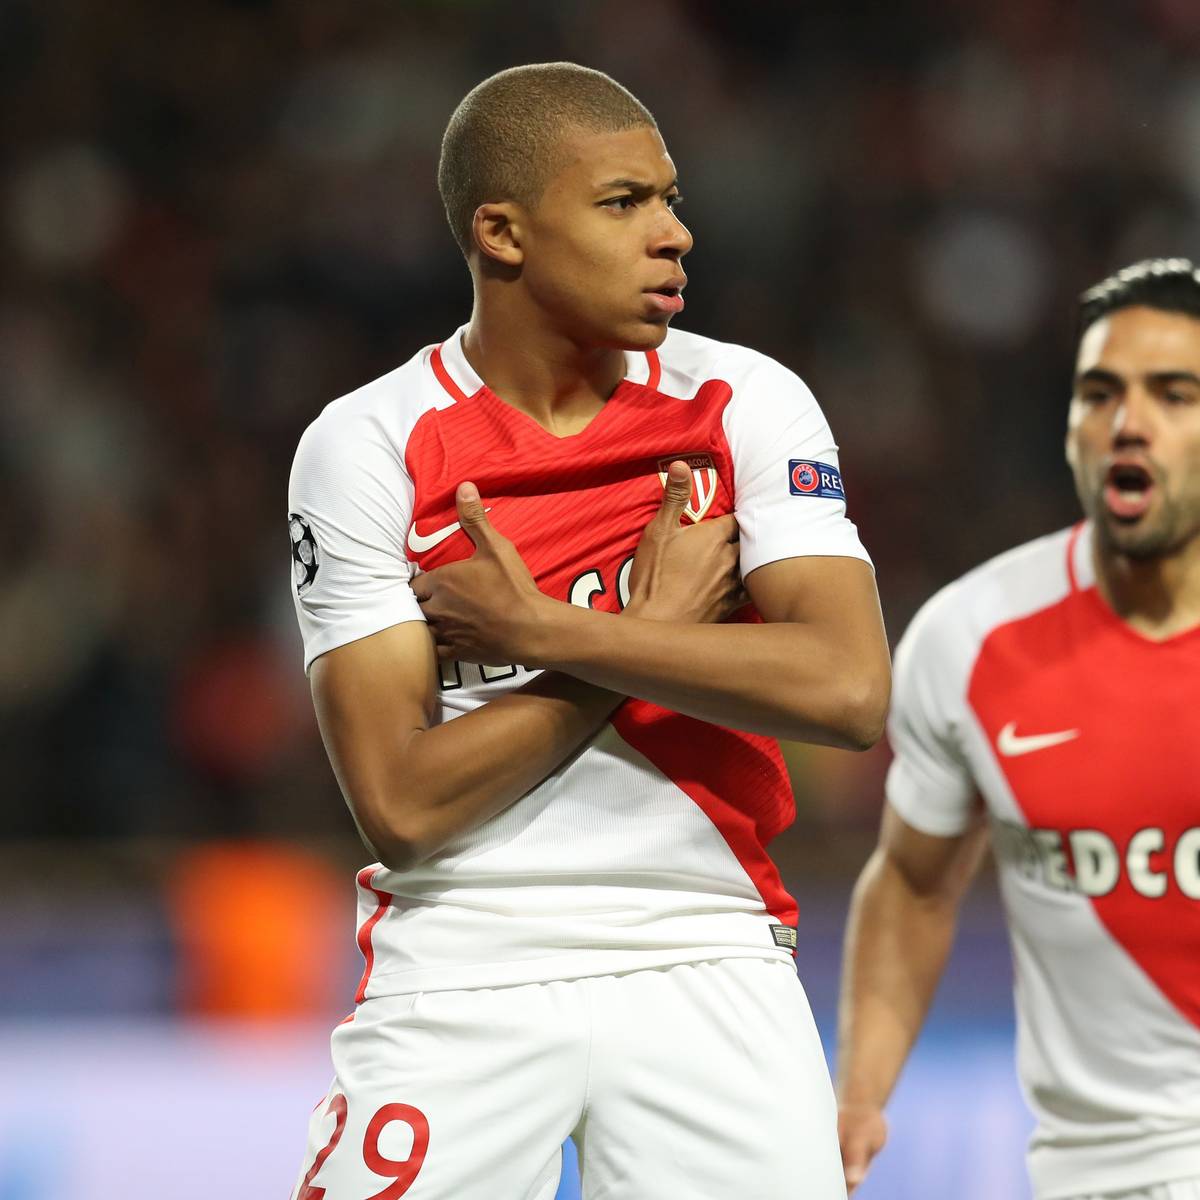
x: 1018, y: 684
x: 649, y: 845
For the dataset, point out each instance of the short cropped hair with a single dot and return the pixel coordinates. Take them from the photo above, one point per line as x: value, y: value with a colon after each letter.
x: 1170, y: 284
x: 502, y: 139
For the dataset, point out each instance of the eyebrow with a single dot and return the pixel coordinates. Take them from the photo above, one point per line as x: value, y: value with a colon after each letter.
x: 637, y: 186
x: 1099, y: 375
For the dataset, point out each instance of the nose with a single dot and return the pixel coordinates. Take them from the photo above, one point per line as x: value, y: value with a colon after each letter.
x: 672, y: 237
x: 1132, y: 423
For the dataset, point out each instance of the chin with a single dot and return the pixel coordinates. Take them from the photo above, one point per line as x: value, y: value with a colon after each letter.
x: 645, y: 335
x: 1135, y: 541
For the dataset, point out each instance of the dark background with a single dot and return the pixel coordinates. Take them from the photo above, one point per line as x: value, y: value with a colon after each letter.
x: 219, y: 216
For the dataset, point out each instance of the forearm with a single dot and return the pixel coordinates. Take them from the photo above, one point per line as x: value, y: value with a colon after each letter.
x: 782, y: 680
x: 439, y: 782
x: 897, y: 944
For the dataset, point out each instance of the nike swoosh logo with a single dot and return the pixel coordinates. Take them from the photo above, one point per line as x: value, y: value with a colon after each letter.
x: 1011, y: 745
x: 419, y: 543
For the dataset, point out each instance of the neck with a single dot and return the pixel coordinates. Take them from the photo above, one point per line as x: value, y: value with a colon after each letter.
x: 1159, y: 597
x: 536, y: 367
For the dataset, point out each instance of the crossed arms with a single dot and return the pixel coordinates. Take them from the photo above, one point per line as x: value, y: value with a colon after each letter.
x: 817, y: 671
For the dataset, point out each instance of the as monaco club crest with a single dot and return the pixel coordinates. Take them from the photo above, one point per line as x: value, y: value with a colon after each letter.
x: 704, y: 482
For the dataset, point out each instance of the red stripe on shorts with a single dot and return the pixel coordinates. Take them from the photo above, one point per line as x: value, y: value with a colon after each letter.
x: 364, y: 932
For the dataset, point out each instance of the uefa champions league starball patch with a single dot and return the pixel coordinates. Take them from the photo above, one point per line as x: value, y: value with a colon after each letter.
x: 807, y: 477
x: 305, y: 557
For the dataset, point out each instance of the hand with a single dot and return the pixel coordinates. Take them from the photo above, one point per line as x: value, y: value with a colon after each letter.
x: 862, y: 1131
x: 685, y: 575
x: 482, y: 609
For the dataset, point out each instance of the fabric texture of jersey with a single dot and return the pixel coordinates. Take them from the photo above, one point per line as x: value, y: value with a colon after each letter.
x: 648, y: 845
x: 611, y: 1061
x: 1017, y: 683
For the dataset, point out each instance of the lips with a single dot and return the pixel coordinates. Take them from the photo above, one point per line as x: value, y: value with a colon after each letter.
x: 668, y: 297
x: 1128, y: 490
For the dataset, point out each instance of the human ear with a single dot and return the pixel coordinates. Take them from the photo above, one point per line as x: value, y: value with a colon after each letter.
x: 497, y: 233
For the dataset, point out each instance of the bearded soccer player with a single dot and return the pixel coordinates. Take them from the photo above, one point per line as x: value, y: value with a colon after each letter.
x: 1060, y: 684
x: 563, y: 760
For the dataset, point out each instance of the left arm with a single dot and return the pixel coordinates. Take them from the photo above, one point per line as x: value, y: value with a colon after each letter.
x: 817, y: 671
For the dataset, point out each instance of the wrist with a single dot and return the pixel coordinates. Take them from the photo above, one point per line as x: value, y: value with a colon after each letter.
x: 543, y: 632
x: 860, y: 1095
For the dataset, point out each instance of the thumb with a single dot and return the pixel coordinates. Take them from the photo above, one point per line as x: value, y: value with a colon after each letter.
x: 472, y: 516
x: 856, y: 1157
x: 677, y: 493
x: 855, y: 1171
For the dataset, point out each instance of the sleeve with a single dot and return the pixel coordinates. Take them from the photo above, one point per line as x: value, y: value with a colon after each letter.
x: 929, y: 782
x: 788, y: 497
x: 350, y: 503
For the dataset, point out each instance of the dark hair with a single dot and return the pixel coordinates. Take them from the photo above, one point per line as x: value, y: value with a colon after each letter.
x: 1171, y: 284
x: 502, y: 139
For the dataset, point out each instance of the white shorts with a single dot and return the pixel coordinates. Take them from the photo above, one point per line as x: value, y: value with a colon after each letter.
x: 1174, y: 1189
x: 704, y: 1080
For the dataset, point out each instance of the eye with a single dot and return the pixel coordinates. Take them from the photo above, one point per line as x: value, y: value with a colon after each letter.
x: 619, y: 203
x: 1095, y: 395
x: 674, y: 200
x: 1178, y: 396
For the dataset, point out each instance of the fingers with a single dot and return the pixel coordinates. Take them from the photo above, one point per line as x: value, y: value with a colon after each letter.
x: 676, y: 494
x: 855, y: 1173
x: 862, y: 1135
x: 855, y: 1158
x: 472, y: 516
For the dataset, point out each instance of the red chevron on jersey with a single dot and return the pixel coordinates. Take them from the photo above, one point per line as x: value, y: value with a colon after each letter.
x: 567, y: 504
x: 1122, y: 795
x: 712, y: 764
x: 1017, y: 685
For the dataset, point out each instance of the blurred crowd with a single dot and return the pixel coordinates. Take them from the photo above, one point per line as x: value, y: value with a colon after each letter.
x: 218, y: 215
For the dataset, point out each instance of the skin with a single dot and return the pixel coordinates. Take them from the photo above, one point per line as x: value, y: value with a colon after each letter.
x: 1136, y: 401
x: 562, y: 290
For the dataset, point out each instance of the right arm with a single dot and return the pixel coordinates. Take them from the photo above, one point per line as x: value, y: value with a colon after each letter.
x: 901, y: 926
x: 413, y: 784
x: 905, y: 904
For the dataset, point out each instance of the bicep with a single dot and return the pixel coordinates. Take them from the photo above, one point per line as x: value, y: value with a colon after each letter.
x: 932, y: 865
x: 817, y: 588
x: 372, y: 696
x: 835, y: 595
x: 827, y: 633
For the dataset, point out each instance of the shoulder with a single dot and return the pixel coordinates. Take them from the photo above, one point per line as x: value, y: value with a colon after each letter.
x: 689, y: 360
x: 955, y: 621
x: 373, y: 420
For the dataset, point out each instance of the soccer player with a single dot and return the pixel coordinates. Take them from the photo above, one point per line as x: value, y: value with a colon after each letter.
x: 1060, y: 683
x: 511, y: 556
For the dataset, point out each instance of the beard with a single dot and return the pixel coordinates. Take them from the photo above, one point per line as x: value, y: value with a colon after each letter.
x: 1157, y: 535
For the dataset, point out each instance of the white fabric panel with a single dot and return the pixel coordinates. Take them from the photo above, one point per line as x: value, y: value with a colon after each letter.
x: 606, y: 860
x: 350, y: 485
x: 932, y: 781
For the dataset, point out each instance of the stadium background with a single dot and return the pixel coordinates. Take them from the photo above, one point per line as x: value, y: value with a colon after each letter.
x: 216, y: 217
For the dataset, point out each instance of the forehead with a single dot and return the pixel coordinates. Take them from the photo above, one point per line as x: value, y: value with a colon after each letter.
x: 1140, y: 341
x: 588, y: 160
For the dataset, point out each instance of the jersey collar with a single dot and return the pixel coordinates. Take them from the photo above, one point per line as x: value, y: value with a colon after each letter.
x: 460, y: 381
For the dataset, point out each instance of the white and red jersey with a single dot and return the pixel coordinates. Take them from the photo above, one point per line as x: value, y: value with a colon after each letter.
x: 648, y: 846
x: 1018, y: 683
